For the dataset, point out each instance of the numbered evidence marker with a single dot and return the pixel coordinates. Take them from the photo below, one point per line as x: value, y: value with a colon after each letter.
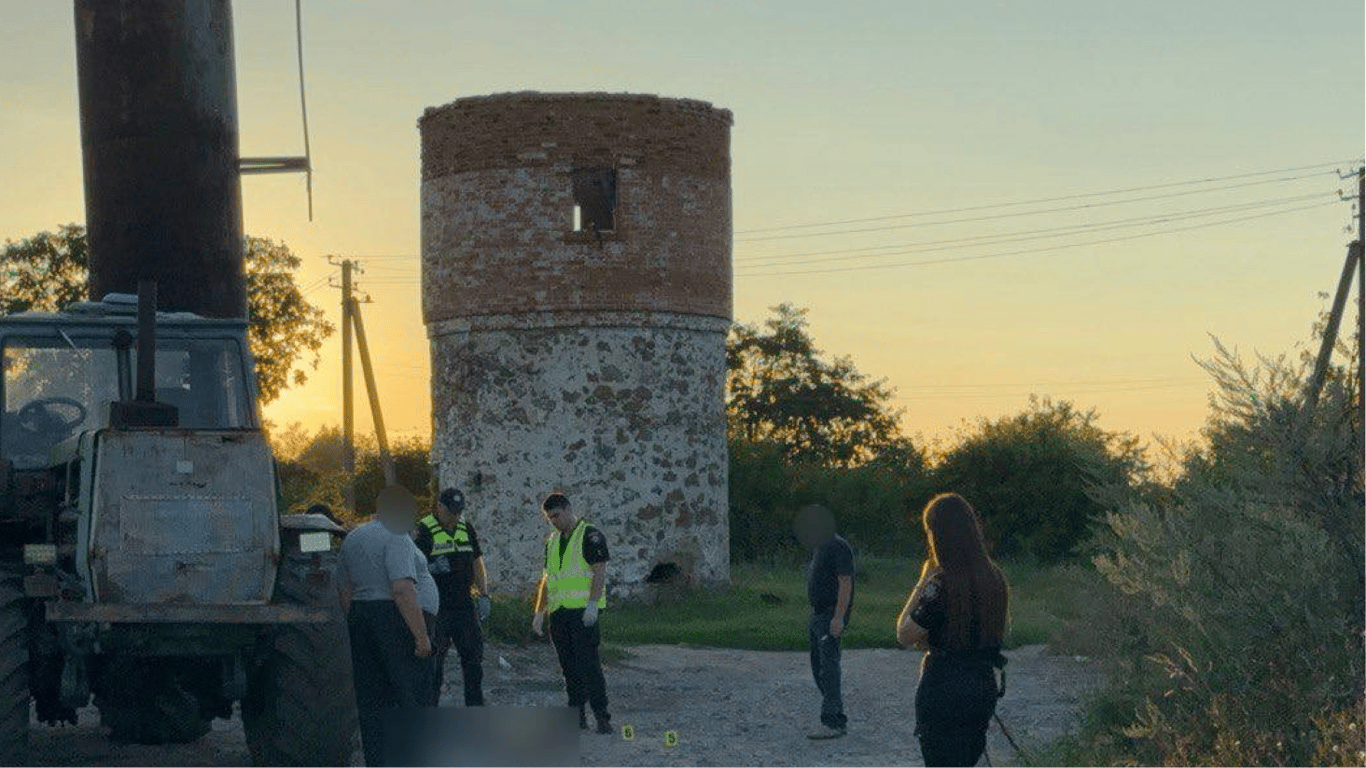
x: 671, y: 738
x: 628, y: 732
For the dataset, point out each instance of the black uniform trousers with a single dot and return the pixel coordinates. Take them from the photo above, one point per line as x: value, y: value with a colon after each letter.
x: 458, y: 627
x: 388, y: 676
x: 577, y: 647
x: 953, y: 707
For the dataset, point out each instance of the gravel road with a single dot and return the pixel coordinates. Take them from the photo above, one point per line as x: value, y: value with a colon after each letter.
x: 725, y: 707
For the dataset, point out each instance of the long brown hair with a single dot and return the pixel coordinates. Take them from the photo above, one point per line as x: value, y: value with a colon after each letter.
x: 976, y: 598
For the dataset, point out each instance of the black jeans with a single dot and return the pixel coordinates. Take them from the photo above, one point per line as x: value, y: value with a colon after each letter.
x: 458, y: 627
x: 577, y: 647
x: 953, y: 707
x: 386, y: 672
x: 825, y: 667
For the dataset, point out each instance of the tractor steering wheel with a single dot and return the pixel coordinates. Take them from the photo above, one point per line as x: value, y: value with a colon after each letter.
x: 40, y: 416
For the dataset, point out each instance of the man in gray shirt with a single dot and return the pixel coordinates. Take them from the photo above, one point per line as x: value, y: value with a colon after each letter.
x: 391, y: 603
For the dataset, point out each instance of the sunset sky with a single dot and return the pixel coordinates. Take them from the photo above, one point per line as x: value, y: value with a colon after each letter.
x: 844, y: 112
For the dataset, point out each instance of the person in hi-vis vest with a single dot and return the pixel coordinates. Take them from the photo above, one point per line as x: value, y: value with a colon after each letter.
x: 573, y: 592
x: 456, y: 563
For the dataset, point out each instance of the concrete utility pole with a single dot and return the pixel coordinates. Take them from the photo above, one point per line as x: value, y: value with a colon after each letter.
x: 386, y: 459
x: 1361, y: 299
x: 1330, y: 331
x: 159, y: 139
x: 348, y: 419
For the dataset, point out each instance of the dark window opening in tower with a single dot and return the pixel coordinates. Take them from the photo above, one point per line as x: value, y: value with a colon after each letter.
x: 595, y: 199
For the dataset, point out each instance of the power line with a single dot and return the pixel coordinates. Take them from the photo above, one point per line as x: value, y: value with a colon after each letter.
x: 1018, y: 214
x: 1082, y: 383
x: 1036, y: 250
x: 1068, y: 392
x: 897, y: 249
x: 1078, y: 196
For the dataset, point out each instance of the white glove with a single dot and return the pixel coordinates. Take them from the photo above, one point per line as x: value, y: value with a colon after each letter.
x: 538, y: 624
x: 590, y: 615
x: 485, y: 606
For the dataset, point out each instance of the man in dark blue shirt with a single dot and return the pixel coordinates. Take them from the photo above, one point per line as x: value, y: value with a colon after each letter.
x: 830, y: 590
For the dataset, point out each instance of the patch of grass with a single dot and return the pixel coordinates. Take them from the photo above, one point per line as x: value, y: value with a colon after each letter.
x: 765, y: 607
x: 1054, y: 605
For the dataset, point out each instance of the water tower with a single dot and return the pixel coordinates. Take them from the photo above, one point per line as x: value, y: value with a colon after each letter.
x: 576, y: 277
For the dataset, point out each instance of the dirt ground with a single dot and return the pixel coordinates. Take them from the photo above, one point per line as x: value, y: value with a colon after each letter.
x: 725, y: 707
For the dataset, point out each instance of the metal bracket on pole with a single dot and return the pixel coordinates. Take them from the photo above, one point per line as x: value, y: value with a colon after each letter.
x: 250, y: 165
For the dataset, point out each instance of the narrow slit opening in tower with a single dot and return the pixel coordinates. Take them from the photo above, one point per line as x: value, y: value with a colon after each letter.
x: 595, y: 199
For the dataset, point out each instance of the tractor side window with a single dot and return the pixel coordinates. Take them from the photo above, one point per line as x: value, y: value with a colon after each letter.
x: 53, y: 389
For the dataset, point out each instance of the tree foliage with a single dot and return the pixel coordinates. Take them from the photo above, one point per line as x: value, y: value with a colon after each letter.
x: 1029, y: 475
x: 780, y: 391
x: 1251, y: 570
x: 48, y: 271
x: 310, y: 469
x: 874, y: 503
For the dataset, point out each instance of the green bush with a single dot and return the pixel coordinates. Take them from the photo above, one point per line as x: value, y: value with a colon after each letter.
x: 875, y: 504
x: 1250, y: 571
x: 309, y: 470
x: 1028, y: 475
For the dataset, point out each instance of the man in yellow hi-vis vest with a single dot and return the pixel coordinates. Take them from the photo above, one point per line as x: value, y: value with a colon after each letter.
x: 456, y: 563
x: 572, y: 592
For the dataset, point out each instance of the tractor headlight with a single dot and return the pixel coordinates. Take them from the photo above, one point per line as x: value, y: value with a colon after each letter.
x: 315, y: 541
x: 40, y: 554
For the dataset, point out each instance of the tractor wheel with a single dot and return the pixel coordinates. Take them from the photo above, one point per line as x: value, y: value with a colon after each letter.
x: 144, y: 702
x: 300, y: 708
x: 14, y: 694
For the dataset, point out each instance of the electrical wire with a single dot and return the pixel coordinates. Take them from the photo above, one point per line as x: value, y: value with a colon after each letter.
x: 1064, y: 392
x: 864, y: 267
x: 1078, y: 196
x: 1083, y: 383
x: 1017, y: 214
x: 896, y: 249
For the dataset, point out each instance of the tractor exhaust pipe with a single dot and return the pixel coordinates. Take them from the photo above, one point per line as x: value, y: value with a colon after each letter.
x: 143, y: 411
x: 147, y: 342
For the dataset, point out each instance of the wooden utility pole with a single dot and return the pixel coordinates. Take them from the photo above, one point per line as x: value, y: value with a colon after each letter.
x: 1361, y: 300
x: 1355, y: 266
x: 386, y: 459
x: 1330, y: 331
x: 348, y: 420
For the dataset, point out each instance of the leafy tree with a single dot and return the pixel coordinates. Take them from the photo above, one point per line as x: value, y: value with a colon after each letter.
x: 310, y: 469
x: 286, y: 332
x: 1250, y: 574
x: 873, y: 503
x: 780, y: 391
x: 1029, y: 476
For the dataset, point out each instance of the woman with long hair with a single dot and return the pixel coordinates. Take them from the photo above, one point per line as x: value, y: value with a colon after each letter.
x: 957, y: 613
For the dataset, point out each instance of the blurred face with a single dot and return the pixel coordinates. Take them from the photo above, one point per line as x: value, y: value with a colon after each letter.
x: 396, y: 511
x: 813, y: 527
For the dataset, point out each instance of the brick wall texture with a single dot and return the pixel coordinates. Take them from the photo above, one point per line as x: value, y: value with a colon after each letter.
x: 588, y: 362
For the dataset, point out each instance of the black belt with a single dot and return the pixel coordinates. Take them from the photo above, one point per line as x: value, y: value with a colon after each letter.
x: 991, y: 657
